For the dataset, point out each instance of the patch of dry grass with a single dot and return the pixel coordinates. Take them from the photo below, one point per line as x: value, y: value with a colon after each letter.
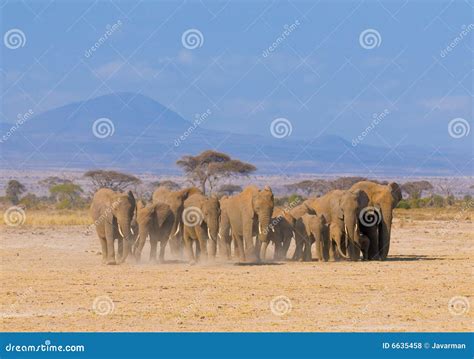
x: 53, y: 217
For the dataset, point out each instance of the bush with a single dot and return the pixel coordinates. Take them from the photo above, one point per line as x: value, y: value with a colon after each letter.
x: 404, y: 204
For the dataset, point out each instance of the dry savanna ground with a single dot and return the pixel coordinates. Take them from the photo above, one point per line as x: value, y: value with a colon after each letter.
x: 53, y: 280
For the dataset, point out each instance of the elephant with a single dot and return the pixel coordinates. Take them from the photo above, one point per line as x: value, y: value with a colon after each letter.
x: 328, y: 206
x: 200, y: 224
x: 244, y: 214
x: 302, y: 240
x: 155, y: 220
x: 281, y: 232
x: 113, y: 213
x: 382, y: 200
x: 346, y: 207
x: 175, y: 199
x: 317, y: 230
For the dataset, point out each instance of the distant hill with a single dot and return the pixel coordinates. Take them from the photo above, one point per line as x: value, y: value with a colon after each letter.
x: 149, y: 137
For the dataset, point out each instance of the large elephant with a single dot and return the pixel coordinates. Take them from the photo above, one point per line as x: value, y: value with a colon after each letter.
x: 112, y: 213
x: 346, y: 207
x: 201, y: 224
x: 382, y: 200
x: 175, y: 199
x: 247, y: 213
x: 155, y: 220
x: 318, y: 232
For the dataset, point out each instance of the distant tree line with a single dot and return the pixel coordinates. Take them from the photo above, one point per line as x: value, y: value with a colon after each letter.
x: 206, y: 170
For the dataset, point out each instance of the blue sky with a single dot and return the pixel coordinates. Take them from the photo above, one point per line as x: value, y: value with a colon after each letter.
x: 319, y: 77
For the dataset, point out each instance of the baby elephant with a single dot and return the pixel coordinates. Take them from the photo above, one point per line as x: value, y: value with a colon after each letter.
x: 317, y: 230
x: 155, y: 220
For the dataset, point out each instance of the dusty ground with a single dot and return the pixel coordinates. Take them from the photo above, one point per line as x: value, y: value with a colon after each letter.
x: 51, y: 278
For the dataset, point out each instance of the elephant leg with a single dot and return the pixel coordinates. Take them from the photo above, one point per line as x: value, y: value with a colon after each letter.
x: 161, y: 258
x: 188, y: 247
x: 153, y: 246
x: 120, y: 247
x: 319, y: 252
x: 372, y: 233
x: 250, y: 254
x: 103, y: 245
x: 262, y: 250
x: 332, y: 250
x: 239, y: 247
x: 299, y: 247
x: 307, y: 249
x: 202, y: 240
x: 109, y: 235
x: 228, y: 247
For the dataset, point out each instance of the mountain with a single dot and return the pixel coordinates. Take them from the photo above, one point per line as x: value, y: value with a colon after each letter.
x: 136, y: 133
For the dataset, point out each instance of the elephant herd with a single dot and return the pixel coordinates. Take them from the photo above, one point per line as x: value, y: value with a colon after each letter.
x: 348, y: 224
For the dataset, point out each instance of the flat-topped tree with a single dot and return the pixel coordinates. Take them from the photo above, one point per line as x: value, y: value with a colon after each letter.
x: 207, y: 168
x: 114, y: 180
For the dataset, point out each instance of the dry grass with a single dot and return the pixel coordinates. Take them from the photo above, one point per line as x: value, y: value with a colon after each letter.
x: 52, y: 217
x: 48, y: 218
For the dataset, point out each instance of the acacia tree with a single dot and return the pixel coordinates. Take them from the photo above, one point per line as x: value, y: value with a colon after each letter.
x: 229, y: 189
x: 414, y: 189
x: 68, y: 194
x: 114, y: 180
x: 13, y: 191
x: 308, y: 187
x: 166, y: 183
x: 207, y: 168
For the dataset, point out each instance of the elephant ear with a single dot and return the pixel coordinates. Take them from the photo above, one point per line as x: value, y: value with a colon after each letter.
x: 396, y: 192
x: 162, y: 212
x: 309, y: 210
x: 131, y: 198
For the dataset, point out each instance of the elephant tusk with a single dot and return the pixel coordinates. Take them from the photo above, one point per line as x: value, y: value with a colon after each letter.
x: 177, y: 229
x: 209, y: 233
x: 131, y: 230
x: 259, y: 229
x: 219, y: 235
x: 120, y: 231
x: 230, y: 231
x: 342, y: 254
x: 273, y: 229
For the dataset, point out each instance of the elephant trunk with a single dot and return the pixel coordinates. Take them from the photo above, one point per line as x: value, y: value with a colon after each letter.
x: 352, y: 237
x: 263, y: 229
x: 125, y: 231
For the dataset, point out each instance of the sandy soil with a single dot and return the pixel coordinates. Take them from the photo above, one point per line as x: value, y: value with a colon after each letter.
x: 52, y: 280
